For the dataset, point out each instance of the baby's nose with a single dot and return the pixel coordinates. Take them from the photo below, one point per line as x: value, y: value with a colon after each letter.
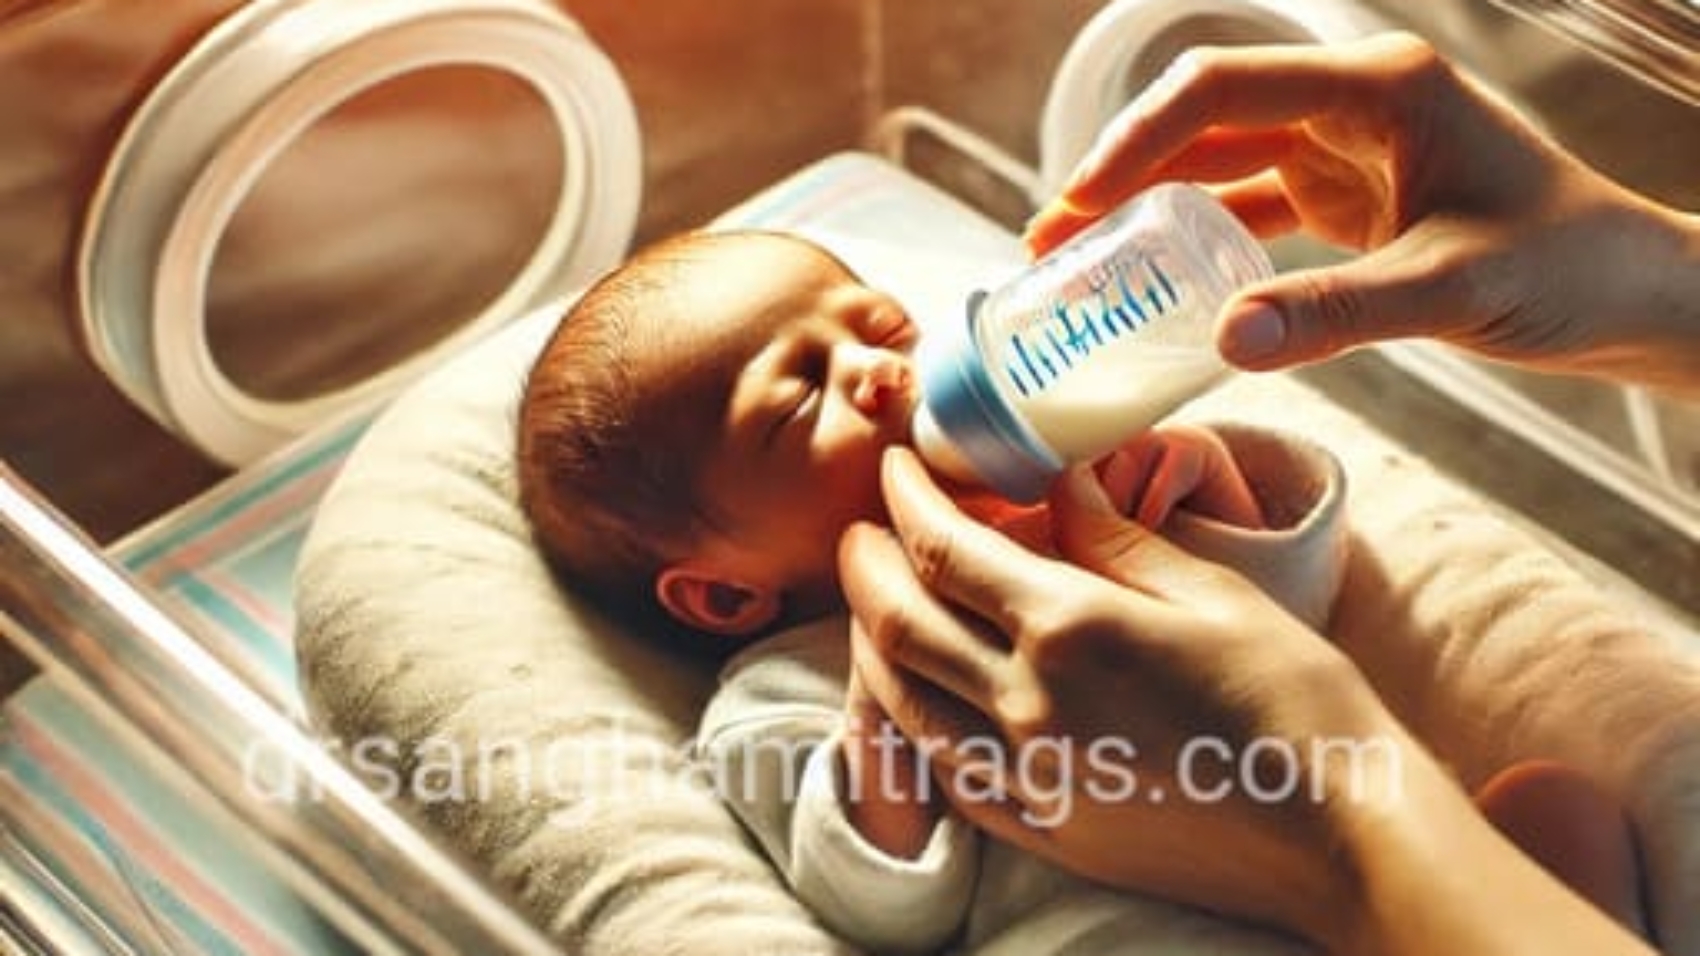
x: 883, y: 377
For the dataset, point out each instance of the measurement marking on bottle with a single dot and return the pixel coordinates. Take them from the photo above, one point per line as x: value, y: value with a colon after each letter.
x: 1038, y: 355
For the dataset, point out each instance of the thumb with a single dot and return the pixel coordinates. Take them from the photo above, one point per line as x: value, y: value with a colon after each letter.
x: 1090, y: 533
x: 1401, y: 290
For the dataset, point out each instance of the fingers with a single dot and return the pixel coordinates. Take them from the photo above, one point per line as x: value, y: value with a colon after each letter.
x: 892, y: 607
x: 1262, y: 204
x: 1404, y: 289
x: 1178, y: 464
x: 1219, y: 155
x: 930, y: 717
x: 980, y: 770
x: 1216, y: 156
x: 1091, y: 533
x: 970, y: 754
x: 996, y: 811
x: 1254, y: 87
x: 961, y: 561
x: 1054, y: 225
x: 1205, y: 476
x: 1177, y: 474
x: 1126, y: 473
x: 861, y: 708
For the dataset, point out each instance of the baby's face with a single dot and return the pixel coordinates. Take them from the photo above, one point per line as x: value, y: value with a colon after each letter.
x: 820, y: 387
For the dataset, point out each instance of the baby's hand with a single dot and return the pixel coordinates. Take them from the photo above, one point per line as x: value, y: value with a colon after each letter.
x: 1179, y: 466
x: 889, y: 798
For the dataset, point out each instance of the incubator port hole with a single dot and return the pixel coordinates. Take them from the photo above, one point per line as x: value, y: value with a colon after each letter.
x: 381, y: 229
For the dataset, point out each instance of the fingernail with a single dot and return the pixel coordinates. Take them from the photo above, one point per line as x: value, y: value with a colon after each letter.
x: 1118, y: 480
x: 1040, y: 231
x: 1045, y: 213
x: 1091, y: 165
x: 1254, y: 334
x: 1110, y: 139
x: 1086, y: 168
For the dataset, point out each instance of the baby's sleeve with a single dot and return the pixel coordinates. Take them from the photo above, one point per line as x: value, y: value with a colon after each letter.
x: 770, y: 742
x: 1299, y: 557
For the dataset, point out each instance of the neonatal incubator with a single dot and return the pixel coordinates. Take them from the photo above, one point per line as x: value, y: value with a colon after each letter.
x: 206, y: 198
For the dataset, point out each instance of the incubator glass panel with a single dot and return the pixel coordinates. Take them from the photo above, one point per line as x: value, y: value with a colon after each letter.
x: 381, y: 229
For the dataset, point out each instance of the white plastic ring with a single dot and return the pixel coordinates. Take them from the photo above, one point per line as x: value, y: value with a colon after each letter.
x: 211, y: 128
x: 1091, y: 83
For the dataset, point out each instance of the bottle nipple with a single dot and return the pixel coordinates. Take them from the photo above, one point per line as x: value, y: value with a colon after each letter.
x: 937, y: 450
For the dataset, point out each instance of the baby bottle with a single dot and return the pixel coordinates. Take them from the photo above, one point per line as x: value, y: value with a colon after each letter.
x: 1085, y: 348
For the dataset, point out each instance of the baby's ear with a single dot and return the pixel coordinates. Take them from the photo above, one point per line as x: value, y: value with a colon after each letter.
x: 711, y: 603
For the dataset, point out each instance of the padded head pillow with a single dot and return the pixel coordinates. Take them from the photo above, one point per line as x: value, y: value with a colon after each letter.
x: 546, y: 743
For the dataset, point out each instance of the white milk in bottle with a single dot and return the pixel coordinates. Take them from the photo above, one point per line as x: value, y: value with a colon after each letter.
x: 1087, y: 347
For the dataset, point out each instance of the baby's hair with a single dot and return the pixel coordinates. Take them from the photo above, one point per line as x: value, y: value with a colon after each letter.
x: 607, y: 476
x: 607, y: 501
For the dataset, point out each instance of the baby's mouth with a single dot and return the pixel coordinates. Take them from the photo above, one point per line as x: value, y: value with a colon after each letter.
x: 888, y: 396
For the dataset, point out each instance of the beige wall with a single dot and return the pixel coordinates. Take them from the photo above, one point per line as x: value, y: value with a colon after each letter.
x: 731, y: 101
x: 984, y: 65
x: 730, y: 95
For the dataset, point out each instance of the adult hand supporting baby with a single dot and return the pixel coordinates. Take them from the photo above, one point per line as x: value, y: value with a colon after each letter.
x: 1479, y: 231
x: 1169, y: 746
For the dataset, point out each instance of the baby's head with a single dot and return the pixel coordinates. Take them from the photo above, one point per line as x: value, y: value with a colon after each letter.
x: 707, y: 420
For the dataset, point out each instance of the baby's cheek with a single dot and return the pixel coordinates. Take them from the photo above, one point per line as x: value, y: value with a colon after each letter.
x: 852, y: 445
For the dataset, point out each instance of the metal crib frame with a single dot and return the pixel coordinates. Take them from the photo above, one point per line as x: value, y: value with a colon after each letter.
x: 370, y: 870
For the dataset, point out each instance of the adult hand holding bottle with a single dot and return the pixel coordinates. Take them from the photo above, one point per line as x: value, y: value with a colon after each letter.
x: 1000, y: 661
x: 1477, y: 230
